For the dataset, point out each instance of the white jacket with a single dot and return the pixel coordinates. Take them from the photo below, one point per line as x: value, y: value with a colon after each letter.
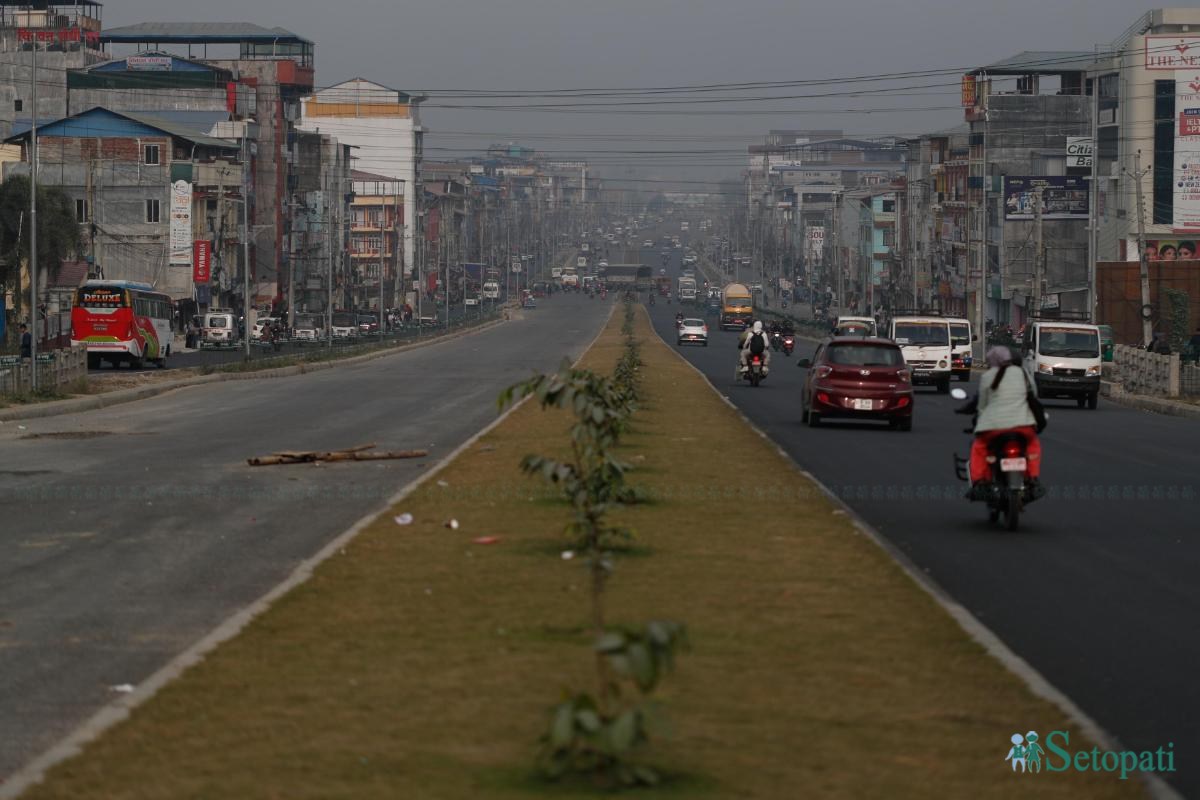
x: 1007, y: 406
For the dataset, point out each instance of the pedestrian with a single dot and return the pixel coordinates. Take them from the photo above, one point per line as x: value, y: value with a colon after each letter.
x: 1194, y: 346
x: 1160, y: 345
x: 26, y: 341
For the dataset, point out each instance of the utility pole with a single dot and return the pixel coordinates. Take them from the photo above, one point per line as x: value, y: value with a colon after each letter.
x: 330, y: 222
x: 34, y: 316
x: 1093, y: 196
x: 1137, y: 175
x: 1039, y: 253
x: 248, y: 322
x: 837, y: 250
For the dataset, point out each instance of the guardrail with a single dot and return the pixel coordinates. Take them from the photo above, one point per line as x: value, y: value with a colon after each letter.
x: 1142, y: 372
x: 56, y: 368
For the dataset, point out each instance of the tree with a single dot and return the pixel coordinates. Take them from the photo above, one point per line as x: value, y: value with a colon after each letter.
x: 58, y: 230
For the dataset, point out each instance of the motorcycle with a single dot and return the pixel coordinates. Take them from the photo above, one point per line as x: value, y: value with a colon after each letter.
x: 756, y: 365
x: 776, y: 341
x: 651, y: 299
x: 789, y: 344
x: 1011, y: 488
x: 678, y: 321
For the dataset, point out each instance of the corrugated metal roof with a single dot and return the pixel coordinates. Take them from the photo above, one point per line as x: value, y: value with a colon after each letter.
x: 178, y: 129
x: 199, y: 32
x: 1046, y: 62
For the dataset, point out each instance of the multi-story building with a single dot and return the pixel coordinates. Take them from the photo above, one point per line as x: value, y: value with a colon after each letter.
x: 384, y: 127
x: 276, y: 66
x: 53, y: 38
x: 319, y: 266
x: 145, y: 191
x: 376, y: 239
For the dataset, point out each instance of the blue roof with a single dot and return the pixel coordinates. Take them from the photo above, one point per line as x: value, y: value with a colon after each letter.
x: 99, y: 122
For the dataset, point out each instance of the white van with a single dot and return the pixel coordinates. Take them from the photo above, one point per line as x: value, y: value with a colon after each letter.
x: 491, y: 290
x: 1062, y: 359
x: 961, y: 338
x: 855, y: 326
x: 220, y: 329
x: 925, y: 343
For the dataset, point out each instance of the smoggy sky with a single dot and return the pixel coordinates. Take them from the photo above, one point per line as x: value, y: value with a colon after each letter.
x: 446, y: 46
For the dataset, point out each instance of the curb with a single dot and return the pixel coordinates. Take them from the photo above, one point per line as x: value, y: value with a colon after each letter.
x: 117, y: 710
x: 93, y: 402
x: 1158, y: 405
x: 970, y: 624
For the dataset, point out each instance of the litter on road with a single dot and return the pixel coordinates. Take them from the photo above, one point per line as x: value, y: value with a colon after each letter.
x: 363, y: 452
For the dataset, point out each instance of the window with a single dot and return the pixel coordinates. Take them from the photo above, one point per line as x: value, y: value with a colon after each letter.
x: 1164, y: 152
x: 150, y: 154
x: 889, y: 206
x: 81, y: 211
x: 152, y: 210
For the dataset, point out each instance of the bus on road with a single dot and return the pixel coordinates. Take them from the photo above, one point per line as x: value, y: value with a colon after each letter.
x: 122, y: 321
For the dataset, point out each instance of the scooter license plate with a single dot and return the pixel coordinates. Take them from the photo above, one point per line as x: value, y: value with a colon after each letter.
x: 1012, y: 465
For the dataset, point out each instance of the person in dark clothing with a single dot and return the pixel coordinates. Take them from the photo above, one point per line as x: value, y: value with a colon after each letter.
x: 1160, y: 345
x: 26, y: 341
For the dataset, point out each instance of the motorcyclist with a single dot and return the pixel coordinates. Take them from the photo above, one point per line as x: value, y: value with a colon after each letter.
x: 754, y: 340
x: 678, y: 318
x: 1002, y: 406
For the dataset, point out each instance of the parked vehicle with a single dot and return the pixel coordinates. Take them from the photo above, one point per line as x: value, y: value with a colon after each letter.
x: 925, y: 342
x: 220, y: 329
x: 368, y: 324
x: 345, y: 325
x: 122, y: 321
x: 308, y: 327
x: 857, y: 378
x: 1063, y: 359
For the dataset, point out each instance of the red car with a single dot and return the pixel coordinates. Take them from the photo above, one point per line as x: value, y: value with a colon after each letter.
x: 858, y: 378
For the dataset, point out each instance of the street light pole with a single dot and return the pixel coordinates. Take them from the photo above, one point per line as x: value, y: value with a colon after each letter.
x: 246, y: 240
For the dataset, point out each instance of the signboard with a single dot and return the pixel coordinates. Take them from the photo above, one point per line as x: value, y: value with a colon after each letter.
x: 816, y: 241
x: 1172, y: 52
x: 1063, y: 197
x: 1165, y: 250
x: 1186, y: 183
x: 969, y: 95
x: 1079, y: 151
x: 59, y: 35
x: 515, y: 266
x: 181, y: 224
x: 201, y: 261
x: 149, y: 63
x: 45, y: 358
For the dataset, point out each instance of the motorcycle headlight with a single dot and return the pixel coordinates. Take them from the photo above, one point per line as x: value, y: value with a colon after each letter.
x: 1045, y: 369
x: 1093, y: 370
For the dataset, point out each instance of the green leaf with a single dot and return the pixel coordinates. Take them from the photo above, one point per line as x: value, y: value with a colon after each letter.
x: 611, y: 642
x: 588, y: 719
x: 562, y: 729
x: 642, y: 665
x: 623, y: 731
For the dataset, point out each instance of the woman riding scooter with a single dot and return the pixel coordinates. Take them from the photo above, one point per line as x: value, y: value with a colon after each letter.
x: 1002, y: 406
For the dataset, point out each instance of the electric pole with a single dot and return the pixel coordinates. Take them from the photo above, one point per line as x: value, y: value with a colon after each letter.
x: 1039, y: 253
x: 34, y: 316
x: 1137, y: 175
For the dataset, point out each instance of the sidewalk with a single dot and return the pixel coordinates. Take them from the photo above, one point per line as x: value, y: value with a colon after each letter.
x: 418, y: 662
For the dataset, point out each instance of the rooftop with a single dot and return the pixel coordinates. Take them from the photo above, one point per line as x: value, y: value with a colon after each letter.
x: 200, y: 33
x: 1041, y: 62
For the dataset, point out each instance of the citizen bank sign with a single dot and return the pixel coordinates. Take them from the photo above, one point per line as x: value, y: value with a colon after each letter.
x: 1080, y: 150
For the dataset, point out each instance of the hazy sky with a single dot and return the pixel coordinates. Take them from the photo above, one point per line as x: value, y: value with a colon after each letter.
x: 554, y: 44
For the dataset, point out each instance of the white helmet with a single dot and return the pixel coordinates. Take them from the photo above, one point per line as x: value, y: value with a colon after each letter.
x: 757, y: 326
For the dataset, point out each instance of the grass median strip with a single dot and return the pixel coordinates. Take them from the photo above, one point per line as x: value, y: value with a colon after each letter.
x: 421, y: 662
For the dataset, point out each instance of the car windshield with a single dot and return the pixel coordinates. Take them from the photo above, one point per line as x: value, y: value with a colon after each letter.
x: 854, y: 329
x: 1069, y: 343
x: 864, y: 355
x: 960, y: 334
x: 218, y: 322
x: 922, y: 333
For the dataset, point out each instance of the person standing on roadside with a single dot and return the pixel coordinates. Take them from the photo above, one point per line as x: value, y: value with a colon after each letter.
x: 26, y: 341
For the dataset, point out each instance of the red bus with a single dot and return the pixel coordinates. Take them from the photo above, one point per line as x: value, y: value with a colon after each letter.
x: 122, y: 321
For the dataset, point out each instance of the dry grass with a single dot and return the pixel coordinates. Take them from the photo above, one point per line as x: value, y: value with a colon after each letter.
x: 419, y: 665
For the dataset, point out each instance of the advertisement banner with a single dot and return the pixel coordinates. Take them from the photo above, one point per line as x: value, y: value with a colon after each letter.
x: 1165, y: 250
x: 201, y: 261
x: 968, y: 91
x: 181, y: 224
x: 1063, y: 197
x: 1187, y: 152
x: 816, y: 242
x: 1079, y: 151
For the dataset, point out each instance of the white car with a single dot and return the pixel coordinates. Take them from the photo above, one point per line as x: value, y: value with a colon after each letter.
x: 692, y: 331
x: 647, y: 243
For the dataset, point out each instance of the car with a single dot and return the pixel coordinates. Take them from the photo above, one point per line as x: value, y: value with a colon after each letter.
x: 857, y: 378
x: 368, y: 324
x: 647, y: 243
x: 692, y: 331
x: 260, y: 325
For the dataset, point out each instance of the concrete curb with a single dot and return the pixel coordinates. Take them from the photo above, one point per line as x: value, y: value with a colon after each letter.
x: 1158, y: 405
x: 92, y: 402
x: 980, y: 633
x: 120, y: 708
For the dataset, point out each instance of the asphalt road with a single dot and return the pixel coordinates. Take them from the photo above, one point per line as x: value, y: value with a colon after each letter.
x: 130, y: 532
x: 1098, y: 588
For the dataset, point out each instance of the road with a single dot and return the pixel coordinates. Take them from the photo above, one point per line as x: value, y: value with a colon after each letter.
x: 1097, y: 590
x: 130, y: 532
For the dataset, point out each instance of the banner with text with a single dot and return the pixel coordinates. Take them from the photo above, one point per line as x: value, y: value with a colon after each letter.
x: 181, y: 224
x: 1186, y: 183
x: 1063, y: 197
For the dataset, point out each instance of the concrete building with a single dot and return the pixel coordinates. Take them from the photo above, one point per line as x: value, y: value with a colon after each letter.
x: 376, y: 240
x: 161, y: 84
x: 276, y: 67
x: 58, y: 37
x: 384, y: 127
x: 142, y: 189
x: 318, y: 267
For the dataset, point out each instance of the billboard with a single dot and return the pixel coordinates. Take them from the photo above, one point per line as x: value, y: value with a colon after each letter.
x: 181, y: 224
x: 1165, y: 250
x: 1186, y: 183
x: 968, y: 91
x: 1172, y: 52
x: 1063, y: 197
x: 201, y: 261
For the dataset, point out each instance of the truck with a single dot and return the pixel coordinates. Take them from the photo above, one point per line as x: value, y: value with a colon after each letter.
x: 570, y: 278
x: 687, y: 290
x: 737, y: 307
